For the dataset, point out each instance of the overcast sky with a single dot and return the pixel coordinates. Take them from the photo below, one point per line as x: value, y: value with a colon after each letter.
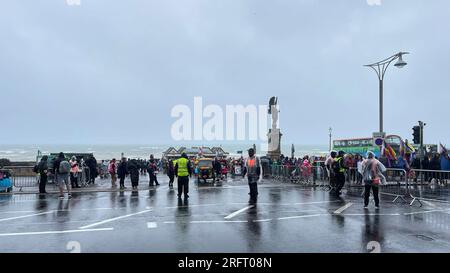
x: 110, y: 71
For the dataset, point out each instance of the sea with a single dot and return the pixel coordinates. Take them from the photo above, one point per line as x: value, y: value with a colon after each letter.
x: 20, y: 153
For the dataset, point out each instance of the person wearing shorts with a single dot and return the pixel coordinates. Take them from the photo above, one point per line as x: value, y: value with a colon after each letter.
x: 61, y: 178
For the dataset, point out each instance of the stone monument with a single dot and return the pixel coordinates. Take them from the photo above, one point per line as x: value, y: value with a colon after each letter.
x: 274, y: 135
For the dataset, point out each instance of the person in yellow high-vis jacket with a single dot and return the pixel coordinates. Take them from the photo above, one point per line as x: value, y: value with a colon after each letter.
x: 183, y: 171
x: 339, y: 169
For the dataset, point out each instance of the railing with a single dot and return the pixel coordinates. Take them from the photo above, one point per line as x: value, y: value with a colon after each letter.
x: 299, y: 175
x: 24, y: 177
x: 428, y: 176
x: 397, y: 183
x: 393, y: 176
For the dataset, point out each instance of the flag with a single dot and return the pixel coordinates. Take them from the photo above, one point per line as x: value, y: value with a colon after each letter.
x: 410, y: 148
x: 402, y: 148
x: 388, y: 152
x: 442, y: 149
x: 392, y: 152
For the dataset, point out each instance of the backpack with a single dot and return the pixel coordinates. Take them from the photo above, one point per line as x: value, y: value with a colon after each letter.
x: 336, y: 166
x: 64, y: 167
x: 36, y: 168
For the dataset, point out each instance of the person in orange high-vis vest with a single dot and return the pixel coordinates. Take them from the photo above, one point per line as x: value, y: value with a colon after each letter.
x: 253, y: 172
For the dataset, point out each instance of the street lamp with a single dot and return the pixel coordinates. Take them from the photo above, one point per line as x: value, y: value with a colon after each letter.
x: 330, y: 130
x: 380, y: 68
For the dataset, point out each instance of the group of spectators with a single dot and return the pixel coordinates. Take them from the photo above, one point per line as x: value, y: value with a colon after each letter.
x: 134, y: 168
x: 413, y: 166
x: 66, y: 171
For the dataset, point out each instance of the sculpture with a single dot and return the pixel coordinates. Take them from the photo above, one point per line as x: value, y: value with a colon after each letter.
x: 274, y: 135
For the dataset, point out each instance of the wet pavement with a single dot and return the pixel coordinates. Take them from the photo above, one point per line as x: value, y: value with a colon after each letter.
x: 217, y: 218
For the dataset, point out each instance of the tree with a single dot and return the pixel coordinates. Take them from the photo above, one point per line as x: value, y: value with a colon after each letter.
x: 4, y: 162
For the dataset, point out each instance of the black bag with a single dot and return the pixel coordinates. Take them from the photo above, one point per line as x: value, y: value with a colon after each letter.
x: 336, y: 166
x: 36, y: 168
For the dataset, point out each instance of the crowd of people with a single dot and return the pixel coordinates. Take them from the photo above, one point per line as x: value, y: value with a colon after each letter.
x: 70, y: 173
x: 66, y: 172
x: 340, y: 167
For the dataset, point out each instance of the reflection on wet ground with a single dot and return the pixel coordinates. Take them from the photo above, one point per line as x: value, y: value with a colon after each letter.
x: 217, y: 218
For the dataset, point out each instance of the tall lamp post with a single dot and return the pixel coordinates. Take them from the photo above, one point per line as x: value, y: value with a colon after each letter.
x: 422, y: 152
x: 330, y: 130
x: 380, y: 68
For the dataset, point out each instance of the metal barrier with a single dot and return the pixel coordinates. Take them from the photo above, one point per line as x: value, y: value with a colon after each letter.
x: 351, y: 175
x: 320, y: 174
x: 392, y: 173
x: 415, y: 178
x: 428, y: 176
x: 398, y: 182
x: 299, y: 175
x: 23, y: 177
x: 276, y: 172
x: 393, y: 177
x: 84, y: 177
x: 399, y: 177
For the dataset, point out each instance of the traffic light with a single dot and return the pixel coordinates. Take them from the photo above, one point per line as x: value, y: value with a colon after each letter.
x: 416, y: 134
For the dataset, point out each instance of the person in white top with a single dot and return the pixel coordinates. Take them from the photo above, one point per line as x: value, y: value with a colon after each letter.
x: 359, y: 163
x: 328, y: 165
x: 372, y: 171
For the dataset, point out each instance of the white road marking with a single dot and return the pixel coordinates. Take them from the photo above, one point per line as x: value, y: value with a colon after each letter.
x: 214, y: 221
x: 204, y: 222
x: 25, y: 216
x: 114, y: 219
x: 203, y: 205
x: 71, y: 210
x: 290, y: 204
x: 434, y: 200
x: 372, y: 214
x: 152, y: 225
x: 319, y: 202
x: 54, y: 232
x: 431, y: 204
x: 239, y: 211
x: 341, y: 209
x: 426, y: 211
x: 99, y: 209
x: 262, y: 220
x: 300, y: 216
x: 13, y: 201
x: 58, y: 210
x: 17, y: 211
